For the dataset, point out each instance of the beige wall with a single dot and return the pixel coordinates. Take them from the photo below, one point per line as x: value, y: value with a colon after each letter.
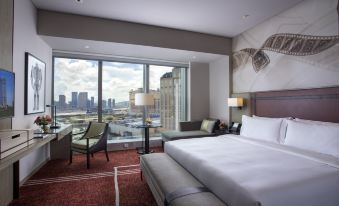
x: 6, y: 59
x: 92, y: 28
x: 198, y: 97
x: 6, y: 47
x: 27, y: 40
x: 310, y: 17
x: 219, y: 89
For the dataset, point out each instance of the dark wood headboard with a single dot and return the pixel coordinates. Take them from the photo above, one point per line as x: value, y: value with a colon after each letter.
x: 314, y: 104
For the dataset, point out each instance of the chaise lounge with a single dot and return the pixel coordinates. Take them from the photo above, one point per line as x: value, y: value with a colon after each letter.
x: 192, y: 129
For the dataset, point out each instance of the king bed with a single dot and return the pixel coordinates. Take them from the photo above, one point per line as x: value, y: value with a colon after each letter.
x: 276, y: 160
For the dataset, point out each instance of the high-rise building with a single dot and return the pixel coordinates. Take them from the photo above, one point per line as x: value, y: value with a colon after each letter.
x: 113, y: 103
x: 155, y: 108
x: 62, y: 102
x: 172, y: 99
x: 92, y: 103
x: 104, y: 104
x: 3, y: 93
x: 152, y: 109
x: 74, y: 103
x: 132, y: 107
x: 82, y: 100
x: 109, y: 103
x: 88, y: 105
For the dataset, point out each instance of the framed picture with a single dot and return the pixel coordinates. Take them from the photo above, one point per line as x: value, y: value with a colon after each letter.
x: 35, y: 80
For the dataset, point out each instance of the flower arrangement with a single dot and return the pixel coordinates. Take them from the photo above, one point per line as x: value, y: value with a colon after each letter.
x: 148, y: 121
x: 43, y: 120
x: 222, y: 125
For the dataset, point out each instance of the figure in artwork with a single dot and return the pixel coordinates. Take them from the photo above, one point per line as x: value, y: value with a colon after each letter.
x: 36, y: 82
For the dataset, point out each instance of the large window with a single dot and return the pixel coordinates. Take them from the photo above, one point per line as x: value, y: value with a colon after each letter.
x: 168, y: 86
x: 77, y: 95
x: 76, y: 91
x: 120, y: 82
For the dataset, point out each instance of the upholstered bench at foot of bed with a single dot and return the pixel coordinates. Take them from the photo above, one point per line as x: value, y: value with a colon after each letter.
x: 165, y: 176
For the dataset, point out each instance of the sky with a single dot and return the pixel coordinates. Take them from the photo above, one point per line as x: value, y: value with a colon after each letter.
x: 118, y: 78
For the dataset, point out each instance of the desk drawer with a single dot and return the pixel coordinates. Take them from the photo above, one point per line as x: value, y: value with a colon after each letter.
x: 12, y: 142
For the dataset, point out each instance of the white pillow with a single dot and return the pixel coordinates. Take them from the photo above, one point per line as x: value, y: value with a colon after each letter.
x: 261, y: 128
x: 316, y: 122
x: 314, y: 137
x: 283, y: 127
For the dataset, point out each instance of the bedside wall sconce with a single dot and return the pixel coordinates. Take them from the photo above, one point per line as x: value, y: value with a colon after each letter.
x: 236, y: 102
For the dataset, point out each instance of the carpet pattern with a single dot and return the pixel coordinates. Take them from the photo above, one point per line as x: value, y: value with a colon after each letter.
x: 117, y: 182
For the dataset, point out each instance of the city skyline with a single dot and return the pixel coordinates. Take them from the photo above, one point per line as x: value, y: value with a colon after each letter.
x: 118, y: 78
x: 6, y: 88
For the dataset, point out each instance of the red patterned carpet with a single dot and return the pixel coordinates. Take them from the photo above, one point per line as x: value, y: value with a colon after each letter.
x: 61, y: 183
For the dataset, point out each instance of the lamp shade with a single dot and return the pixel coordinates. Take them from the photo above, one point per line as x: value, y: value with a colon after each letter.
x: 143, y: 99
x: 235, y: 102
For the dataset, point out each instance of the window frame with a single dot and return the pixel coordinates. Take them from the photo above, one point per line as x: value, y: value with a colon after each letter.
x: 146, y: 72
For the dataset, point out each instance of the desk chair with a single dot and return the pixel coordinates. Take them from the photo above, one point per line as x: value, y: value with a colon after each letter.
x: 94, y: 139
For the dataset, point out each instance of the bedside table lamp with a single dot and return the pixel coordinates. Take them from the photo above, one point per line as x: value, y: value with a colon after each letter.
x: 235, y: 102
x: 144, y: 99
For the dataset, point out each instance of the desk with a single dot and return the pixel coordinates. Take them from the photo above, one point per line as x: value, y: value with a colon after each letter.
x: 60, y: 146
x: 146, y: 127
x: 59, y: 140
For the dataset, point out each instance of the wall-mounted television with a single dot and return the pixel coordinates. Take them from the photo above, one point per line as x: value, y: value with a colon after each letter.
x: 7, y: 89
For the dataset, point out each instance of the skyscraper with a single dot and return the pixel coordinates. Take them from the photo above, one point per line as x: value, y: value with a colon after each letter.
x: 3, y: 93
x: 74, y: 103
x: 104, y: 104
x: 92, y: 102
x: 62, y: 102
x: 113, y: 103
x: 109, y: 103
x: 82, y: 100
x: 171, y: 99
x: 132, y: 107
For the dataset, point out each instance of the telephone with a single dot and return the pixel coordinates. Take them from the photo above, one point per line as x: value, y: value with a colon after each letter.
x: 234, y: 128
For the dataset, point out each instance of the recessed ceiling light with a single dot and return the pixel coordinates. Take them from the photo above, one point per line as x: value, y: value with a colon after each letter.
x: 79, y: 1
x: 86, y: 47
x: 245, y: 16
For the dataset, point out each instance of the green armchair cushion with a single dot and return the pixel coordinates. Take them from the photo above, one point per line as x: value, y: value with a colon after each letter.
x: 94, y: 130
x: 81, y: 143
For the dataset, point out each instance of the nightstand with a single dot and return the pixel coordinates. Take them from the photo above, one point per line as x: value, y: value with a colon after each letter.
x: 221, y: 132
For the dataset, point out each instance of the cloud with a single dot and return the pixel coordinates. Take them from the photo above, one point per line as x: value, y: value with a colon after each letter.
x: 73, y: 75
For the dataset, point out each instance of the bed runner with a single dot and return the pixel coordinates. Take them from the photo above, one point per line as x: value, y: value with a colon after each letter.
x: 183, y: 192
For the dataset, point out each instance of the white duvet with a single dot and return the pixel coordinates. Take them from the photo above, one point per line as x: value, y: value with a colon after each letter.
x: 242, y: 172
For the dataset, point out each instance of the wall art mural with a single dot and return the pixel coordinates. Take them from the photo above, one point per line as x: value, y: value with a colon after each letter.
x: 35, y: 80
x: 299, y: 49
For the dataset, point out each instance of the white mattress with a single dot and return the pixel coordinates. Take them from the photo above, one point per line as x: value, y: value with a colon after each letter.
x: 241, y: 171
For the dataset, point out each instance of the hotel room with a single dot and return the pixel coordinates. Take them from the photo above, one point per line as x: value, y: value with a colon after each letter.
x: 169, y: 103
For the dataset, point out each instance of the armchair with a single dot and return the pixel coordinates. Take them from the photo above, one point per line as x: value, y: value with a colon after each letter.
x: 94, y: 139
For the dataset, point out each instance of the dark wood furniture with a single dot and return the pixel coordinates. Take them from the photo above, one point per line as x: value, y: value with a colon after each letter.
x: 94, y: 139
x: 314, y: 104
x: 146, y: 150
x: 59, y: 148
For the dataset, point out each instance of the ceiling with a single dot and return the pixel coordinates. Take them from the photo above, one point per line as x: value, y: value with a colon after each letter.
x: 216, y: 17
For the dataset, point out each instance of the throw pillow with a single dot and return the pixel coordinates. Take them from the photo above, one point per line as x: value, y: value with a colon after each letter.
x: 207, y: 125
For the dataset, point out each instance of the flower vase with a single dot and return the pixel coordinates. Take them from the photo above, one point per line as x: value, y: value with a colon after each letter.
x: 44, y: 128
